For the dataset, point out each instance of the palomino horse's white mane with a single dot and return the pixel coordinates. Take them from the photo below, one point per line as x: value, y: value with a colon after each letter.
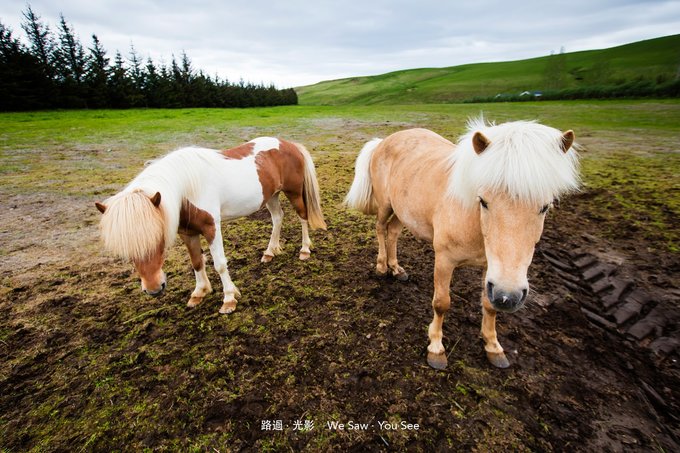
x: 132, y: 227
x: 524, y: 160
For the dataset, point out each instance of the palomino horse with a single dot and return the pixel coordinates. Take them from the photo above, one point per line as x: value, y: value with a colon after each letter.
x: 482, y: 203
x: 190, y: 190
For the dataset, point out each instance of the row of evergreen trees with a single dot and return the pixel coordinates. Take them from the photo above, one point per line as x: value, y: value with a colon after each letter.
x: 57, y: 72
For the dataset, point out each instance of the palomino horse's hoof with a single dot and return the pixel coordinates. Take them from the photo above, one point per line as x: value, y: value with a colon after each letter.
x: 402, y: 276
x: 228, y: 307
x: 266, y: 258
x: 436, y: 361
x: 498, y: 359
x: 305, y: 255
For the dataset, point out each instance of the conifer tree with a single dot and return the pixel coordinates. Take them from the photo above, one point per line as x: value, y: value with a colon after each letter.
x: 97, y: 75
x: 41, y: 43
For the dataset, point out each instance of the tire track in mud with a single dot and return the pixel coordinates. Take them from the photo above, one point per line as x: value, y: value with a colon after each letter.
x: 635, y: 317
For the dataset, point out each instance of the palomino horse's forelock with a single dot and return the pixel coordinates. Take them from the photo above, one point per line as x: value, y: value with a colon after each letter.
x: 524, y: 160
x: 132, y: 227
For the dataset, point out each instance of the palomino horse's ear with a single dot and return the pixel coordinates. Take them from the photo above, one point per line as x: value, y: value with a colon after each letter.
x: 156, y: 199
x: 480, y: 142
x: 567, y: 140
x: 100, y: 207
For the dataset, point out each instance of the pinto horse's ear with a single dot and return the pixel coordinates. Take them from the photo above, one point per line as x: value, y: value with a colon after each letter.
x: 480, y: 142
x: 567, y: 140
x: 156, y: 199
x: 100, y: 207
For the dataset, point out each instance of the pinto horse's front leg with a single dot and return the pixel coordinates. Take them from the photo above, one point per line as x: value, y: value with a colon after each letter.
x: 220, y: 261
x: 441, y: 302
x: 203, y: 288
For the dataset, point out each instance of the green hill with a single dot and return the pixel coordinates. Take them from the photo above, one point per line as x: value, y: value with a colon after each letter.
x: 655, y: 59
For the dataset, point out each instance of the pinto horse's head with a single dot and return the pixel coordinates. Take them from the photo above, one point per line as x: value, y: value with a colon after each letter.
x: 520, y: 169
x: 133, y: 227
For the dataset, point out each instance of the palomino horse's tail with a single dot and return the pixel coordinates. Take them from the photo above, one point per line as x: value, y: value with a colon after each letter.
x: 310, y: 192
x: 360, y: 195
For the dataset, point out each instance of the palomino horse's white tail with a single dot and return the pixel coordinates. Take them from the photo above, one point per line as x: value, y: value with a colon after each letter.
x: 310, y: 191
x: 360, y: 195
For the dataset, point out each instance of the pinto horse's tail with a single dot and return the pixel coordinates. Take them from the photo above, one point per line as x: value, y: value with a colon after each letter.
x: 360, y: 195
x: 310, y: 192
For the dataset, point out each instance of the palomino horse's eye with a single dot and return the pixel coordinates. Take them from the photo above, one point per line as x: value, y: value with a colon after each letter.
x: 545, y: 208
x: 483, y: 203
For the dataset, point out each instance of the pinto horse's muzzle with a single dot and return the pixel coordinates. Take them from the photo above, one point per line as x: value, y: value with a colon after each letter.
x: 156, y: 293
x: 505, y: 301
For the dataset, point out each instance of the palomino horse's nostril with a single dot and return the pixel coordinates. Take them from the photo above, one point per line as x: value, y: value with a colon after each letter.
x: 525, y: 292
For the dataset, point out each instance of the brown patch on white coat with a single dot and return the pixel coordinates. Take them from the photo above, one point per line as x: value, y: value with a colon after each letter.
x: 239, y: 152
x: 286, y: 169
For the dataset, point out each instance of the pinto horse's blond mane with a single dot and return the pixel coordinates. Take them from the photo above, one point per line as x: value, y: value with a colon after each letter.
x: 132, y: 227
x: 524, y: 159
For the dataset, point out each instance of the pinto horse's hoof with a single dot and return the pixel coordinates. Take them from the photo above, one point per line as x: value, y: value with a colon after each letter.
x: 437, y: 361
x: 498, y: 359
x: 194, y: 301
x: 305, y: 256
x: 266, y: 258
x: 228, y: 307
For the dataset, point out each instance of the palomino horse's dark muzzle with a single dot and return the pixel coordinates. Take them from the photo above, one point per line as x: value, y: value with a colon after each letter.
x: 503, y: 300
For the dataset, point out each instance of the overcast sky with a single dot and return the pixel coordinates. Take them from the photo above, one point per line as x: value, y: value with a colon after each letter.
x: 299, y: 42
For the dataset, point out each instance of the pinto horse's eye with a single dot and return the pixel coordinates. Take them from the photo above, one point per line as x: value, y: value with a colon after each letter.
x: 545, y: 208
x: 483, y: 203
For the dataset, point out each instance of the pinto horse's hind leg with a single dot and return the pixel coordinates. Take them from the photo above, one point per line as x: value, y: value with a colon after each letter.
x: 203, y: 287
x: 305, y: 250
x: 274, y: 248
x: 394, y: 228
x: 494, y: 351
x: 298, y: 202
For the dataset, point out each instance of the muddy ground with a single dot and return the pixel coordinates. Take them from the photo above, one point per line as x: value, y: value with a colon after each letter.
x: 89, y: 363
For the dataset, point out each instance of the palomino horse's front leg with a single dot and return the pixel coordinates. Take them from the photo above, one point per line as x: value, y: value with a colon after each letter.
x: 220, y: 261
x: 274, y: 247
x: 441, y: 302
x: 203, y: 287
x: 494, y: 351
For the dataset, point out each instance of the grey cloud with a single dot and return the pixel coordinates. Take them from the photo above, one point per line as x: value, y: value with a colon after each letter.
x: 299, y: 42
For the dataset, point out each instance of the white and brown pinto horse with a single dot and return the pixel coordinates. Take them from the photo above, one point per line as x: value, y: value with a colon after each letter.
x: 481, y: 202
x: 190, y: 190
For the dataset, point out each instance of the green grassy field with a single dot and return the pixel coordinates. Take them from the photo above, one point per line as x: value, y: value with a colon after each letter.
x: 89, y: 363
x: 648, y: 59
x: 33, y: 144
